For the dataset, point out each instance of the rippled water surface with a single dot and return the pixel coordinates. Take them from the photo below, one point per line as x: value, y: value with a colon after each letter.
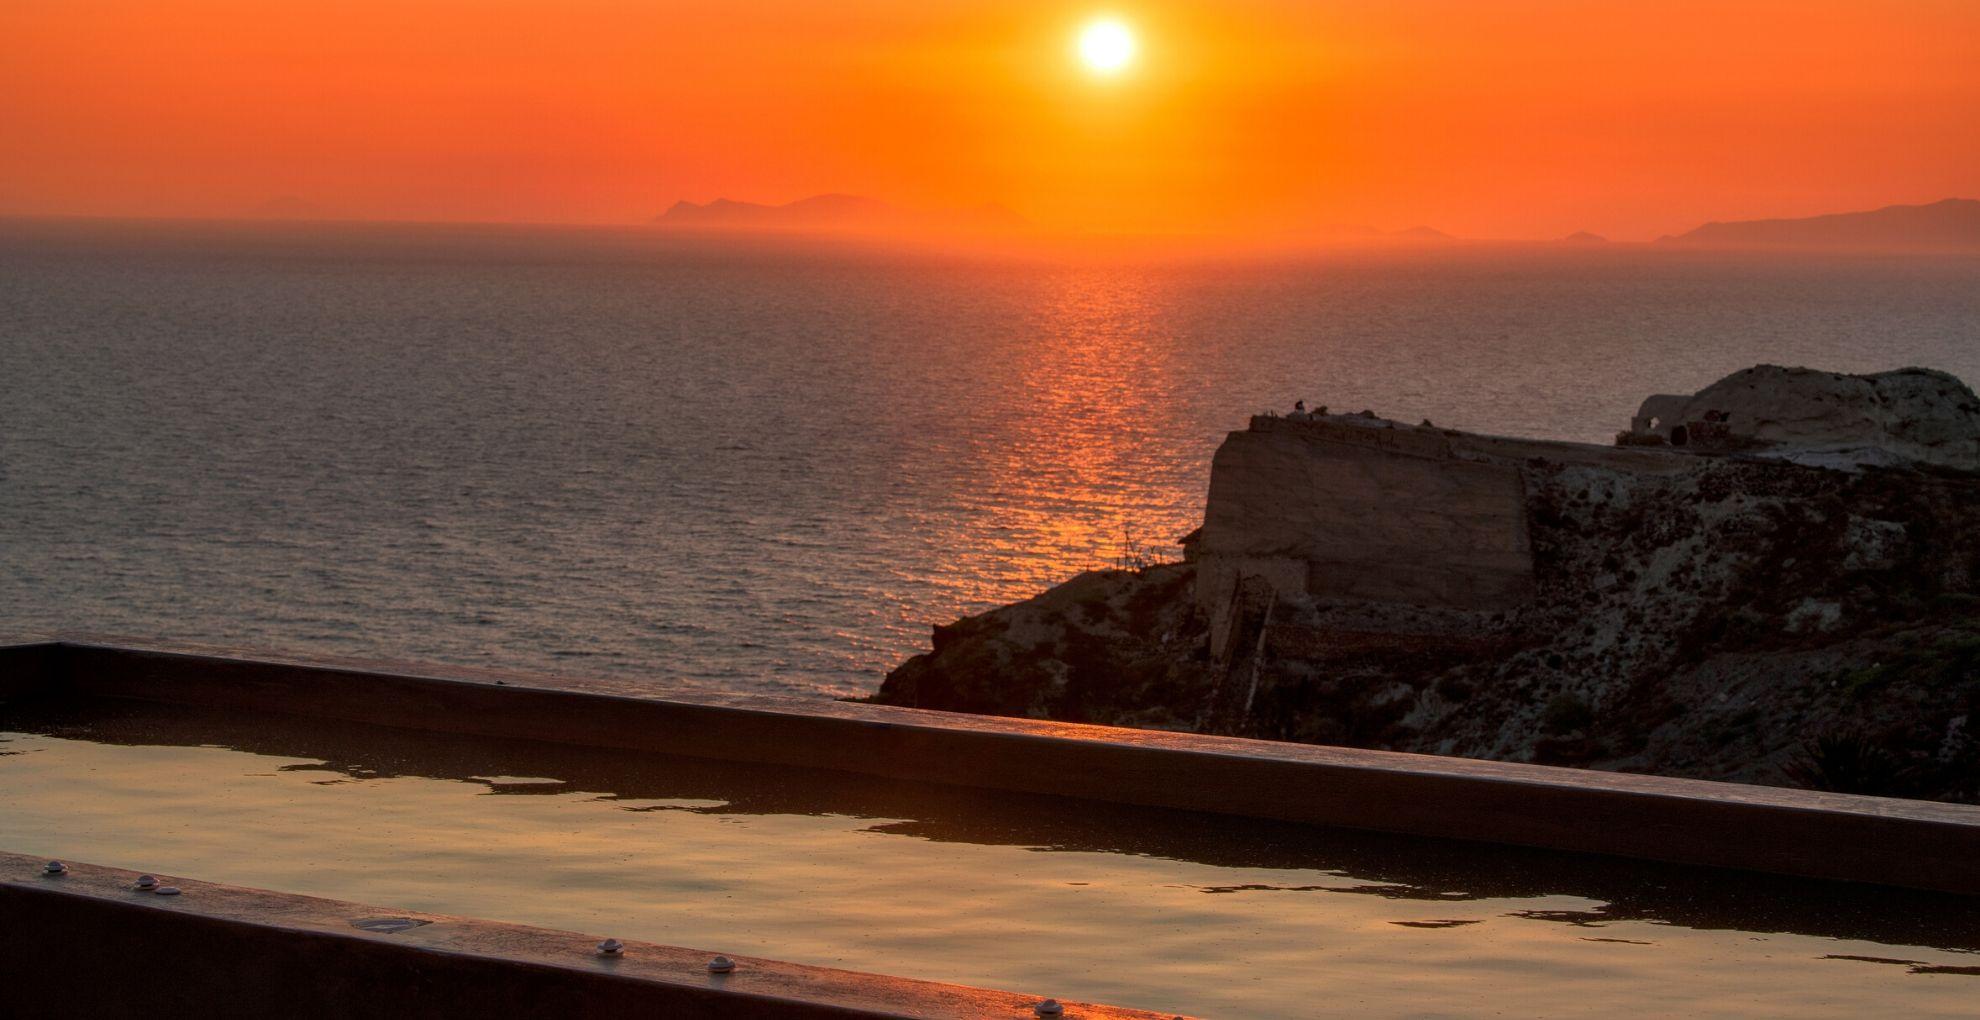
x: 749, y: 466
x: 1170, y: 911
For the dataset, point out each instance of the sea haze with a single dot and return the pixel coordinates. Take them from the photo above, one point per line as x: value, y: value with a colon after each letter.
x: 757, y: 465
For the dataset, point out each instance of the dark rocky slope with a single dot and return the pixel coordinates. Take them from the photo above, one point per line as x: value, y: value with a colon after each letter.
x: 1740, y: 620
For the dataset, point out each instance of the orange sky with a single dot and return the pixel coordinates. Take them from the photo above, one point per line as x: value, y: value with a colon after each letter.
x: 1482, y: 117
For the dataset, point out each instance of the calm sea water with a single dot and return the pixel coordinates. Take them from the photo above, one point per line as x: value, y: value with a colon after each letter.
x: 758, y: 466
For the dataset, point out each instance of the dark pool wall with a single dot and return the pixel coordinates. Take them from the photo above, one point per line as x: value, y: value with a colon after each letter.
x: 97, y: 959
x: 86, y: 944
x: 26, y: 669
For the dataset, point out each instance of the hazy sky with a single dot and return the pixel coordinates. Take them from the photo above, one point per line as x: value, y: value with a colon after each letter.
x: 1482, y: 117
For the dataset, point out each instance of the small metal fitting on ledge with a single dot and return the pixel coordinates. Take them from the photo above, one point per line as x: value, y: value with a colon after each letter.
x: 611, y: 947
x: 55, y: 868
x: 145, y: 883
x: 721, y: 965
x: 167, y: 890
x: 1050, y: 1007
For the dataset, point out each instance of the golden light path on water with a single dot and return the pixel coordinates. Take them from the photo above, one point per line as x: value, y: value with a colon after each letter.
x: 763, y: 467
x: 1166, y: 911
x: 1080, y: 477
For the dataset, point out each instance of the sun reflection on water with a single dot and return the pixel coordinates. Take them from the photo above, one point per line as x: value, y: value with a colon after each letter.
x: 1084, y: 467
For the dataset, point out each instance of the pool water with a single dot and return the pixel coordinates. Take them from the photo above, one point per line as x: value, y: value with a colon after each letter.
x: 1162, y: 910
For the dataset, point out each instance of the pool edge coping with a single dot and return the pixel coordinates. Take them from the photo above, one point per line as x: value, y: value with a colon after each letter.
x: 1921, y: 844
x: 100, y: 899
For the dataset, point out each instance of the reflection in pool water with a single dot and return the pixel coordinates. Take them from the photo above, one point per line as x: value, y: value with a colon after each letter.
x: 1157, y: 909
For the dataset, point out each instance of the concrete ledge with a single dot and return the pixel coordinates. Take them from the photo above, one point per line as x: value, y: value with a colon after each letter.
x: 87, y: 945
x: 1919, y: 844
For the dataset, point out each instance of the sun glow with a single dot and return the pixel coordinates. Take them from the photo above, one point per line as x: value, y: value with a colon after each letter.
x: 1106, y: 45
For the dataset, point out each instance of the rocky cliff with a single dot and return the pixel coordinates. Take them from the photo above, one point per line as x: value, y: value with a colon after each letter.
x: 1727, y: 617
x: 1346, y: 506
x: 1911, y: 415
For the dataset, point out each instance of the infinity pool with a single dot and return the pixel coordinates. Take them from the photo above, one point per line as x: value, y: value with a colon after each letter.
x: 1162, y: 910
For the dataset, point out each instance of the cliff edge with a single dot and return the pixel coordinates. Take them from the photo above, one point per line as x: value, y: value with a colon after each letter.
x: 1727, y: 613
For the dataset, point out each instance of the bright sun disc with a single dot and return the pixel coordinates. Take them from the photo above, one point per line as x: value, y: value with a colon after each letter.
x: 1106, y: 45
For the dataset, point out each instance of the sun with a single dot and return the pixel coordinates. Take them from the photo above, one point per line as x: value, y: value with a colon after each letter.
x: 1106, y: 45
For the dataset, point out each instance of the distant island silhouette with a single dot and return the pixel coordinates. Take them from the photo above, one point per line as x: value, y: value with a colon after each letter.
x: 1952, y: 223
x: 1421, y: 233
x: 834, y: 212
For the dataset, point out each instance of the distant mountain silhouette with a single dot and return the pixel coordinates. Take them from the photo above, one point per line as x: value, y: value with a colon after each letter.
x: 1953, y: 223
x: 1584, y: 237
x: 831, y: 213
x: 1422, y: 234
x: 813, y: 212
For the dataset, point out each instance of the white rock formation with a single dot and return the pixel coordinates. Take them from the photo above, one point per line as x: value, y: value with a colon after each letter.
x: 1911, y: 415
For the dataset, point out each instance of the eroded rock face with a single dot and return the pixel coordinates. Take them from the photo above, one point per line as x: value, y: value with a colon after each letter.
x: 1911, y: 415
x: 1111, y: 646
x: 1371, y: 583
x: 1374, y: 512
x: 1735, y: 619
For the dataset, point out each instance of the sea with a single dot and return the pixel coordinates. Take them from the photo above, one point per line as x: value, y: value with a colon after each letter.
x: 766, y: 465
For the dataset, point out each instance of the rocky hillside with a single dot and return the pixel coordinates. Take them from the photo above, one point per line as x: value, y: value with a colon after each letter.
x: 1828, y: 419
x: 1951, y: 223
x: 1740, y: 619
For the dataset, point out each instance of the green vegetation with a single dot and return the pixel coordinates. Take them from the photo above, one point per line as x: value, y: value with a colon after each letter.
x: 1951, y: 661
x: 1849, y: 762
